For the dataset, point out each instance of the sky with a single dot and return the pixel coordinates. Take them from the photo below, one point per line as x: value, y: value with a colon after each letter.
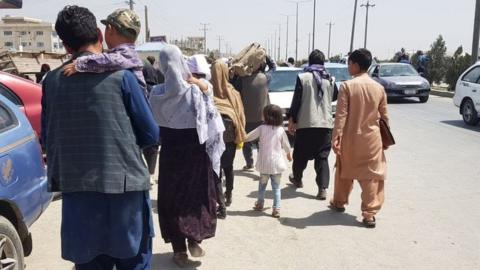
x: 393, y: 24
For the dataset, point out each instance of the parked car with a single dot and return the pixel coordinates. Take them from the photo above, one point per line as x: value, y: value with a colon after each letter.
x: 400, y: 80
x: 282, y: 83
x: 26, y: 94
x: 23, y: 185
x: 467, y: 95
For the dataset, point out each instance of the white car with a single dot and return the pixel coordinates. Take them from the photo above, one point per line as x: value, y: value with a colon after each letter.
x: 282, y: 83
x: 467, y: 95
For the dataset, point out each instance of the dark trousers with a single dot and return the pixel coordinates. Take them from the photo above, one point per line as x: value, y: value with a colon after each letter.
x: 313, y: 143
x: 151, y: 154
x: 227, y: 169
x: 180, y: 245
x: 139, y: 262
x: 248, y: 146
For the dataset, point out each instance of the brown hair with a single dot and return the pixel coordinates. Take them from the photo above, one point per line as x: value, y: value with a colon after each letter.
x: 273, y: 115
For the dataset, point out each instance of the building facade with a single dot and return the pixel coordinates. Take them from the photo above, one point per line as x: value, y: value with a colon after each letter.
x: 29, y: 35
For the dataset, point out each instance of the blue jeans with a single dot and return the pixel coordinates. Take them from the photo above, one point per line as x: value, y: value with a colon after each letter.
x: 262, y: 186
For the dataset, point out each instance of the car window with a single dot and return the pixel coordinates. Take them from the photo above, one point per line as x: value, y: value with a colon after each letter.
x: 472, y: 76
x: 397, y: 71
x: 7, y: 119
x: 4, y: 91
x: 340, y: 74
x: 283, y: 81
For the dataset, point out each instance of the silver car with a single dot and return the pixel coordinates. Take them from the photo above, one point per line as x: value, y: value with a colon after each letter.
x: 400, y: 80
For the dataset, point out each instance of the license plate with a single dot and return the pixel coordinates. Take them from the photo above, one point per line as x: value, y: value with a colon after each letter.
x: 410, y: 92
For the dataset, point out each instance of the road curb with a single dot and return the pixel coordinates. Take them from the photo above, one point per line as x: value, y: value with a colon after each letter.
x: 442, y: 93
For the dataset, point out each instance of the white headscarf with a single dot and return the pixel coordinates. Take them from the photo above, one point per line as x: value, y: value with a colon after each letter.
x: 177, y: 104
x: 198, y: 64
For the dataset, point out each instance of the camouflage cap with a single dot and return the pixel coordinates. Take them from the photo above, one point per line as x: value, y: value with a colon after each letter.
x: 126, y: 21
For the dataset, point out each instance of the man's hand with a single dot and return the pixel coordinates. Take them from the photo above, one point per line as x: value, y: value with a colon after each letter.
x: 337, y: 146
x: 69, y: 70
x: 292, y: 127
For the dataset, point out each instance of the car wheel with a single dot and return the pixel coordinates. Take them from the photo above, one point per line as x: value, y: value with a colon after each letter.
x: 11, y: 251
x: 470, y: 115
x: 423, y: 99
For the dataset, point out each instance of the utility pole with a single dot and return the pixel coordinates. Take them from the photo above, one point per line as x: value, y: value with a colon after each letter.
x: 205, y: 29
x: 309, y: 51
x: 220, y: 38
x: 353, y: 25
x: 330, y: 24
x: 367, y: 6
x: 131, y: 3
x: 314, y: 22
x: 476, y: 32
x: 274, y: 51
x: 279, y: 40
x: 286, y: 36
x: 296, y: 38
x: 147, y: 29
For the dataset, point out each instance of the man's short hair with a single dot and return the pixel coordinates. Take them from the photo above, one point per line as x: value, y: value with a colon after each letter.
x: 316, y: 58
x: 151, y: 59
x: 77, y: 27
x: 362, y: 57
x: 291, y: 60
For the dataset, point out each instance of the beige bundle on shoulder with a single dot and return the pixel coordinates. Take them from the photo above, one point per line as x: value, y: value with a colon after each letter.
x: 249, y: 60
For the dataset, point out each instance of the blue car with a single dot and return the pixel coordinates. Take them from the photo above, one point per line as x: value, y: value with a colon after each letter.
x: 23, y: 185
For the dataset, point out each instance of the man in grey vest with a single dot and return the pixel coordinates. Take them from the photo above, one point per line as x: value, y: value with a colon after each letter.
x: 94, y: 127
x: 310, y: 119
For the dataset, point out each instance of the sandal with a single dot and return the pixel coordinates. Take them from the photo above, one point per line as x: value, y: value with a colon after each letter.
x: 195, y: 250
x: 370, y: 223
x: 335, y: 208
x: 276, y: 213
x: 258, y: 206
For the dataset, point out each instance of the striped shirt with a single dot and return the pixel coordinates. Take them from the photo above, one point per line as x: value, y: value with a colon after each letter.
x: 272, y: 142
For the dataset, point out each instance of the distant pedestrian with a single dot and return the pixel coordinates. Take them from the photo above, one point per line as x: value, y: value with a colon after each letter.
x: 311, y: 120
x: 44, y: 69
x: 94, y: 128
x: 357, y: 140
x: 198, y: 66
x: 189, y: 166
x: 229, y: 104
x: 274, y: 145
x: 291, y: 62
x: 254, y: 92
x: 153, y: 62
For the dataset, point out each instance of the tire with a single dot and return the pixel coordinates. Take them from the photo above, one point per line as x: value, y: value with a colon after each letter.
x: 423, y: 99
x: 469, y: 113
x: 12, y: 255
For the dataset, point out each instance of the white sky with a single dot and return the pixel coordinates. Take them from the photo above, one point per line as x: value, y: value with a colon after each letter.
x: 413, y: 24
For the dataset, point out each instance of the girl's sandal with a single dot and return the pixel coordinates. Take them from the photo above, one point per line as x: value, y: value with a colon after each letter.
x: 276, y: 213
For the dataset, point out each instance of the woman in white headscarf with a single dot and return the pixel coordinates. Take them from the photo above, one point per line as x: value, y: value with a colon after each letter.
x: 192, y: 144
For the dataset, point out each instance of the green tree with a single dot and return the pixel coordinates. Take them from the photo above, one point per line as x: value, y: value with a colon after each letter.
x: 457, y: 64
x: 436, y: 69
x: 336, y: 58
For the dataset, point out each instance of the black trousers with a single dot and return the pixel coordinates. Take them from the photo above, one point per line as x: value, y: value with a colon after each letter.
x: 227, y: 169
x: 313, y: 144
x: 151, y: 154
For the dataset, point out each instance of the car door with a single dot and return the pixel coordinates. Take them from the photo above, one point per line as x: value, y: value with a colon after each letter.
x: 8, y: 170
x: 471, y: 84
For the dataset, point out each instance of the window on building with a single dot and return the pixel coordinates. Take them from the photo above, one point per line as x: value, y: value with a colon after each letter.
x: 24, y: 44
x: 8, y: 44
x: 55, y: 45
x: 39, y: 33
x: 61, y: 45
x: 7, y: 33
x: 40, y: 44
x: 23, y: 33
x: 54, y: 34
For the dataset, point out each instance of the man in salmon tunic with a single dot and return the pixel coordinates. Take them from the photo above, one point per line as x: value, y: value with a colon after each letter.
x: 357, y: 141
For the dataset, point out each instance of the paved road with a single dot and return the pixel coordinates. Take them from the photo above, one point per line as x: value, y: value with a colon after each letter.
x: 430, y: 220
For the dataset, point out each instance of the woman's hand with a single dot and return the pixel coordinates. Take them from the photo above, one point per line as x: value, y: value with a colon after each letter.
x: 289, y: 157
x: 337, y: 146
x: 203, y: 86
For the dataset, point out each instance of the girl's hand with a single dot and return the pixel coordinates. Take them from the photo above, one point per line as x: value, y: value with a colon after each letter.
x: 69, y: 70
